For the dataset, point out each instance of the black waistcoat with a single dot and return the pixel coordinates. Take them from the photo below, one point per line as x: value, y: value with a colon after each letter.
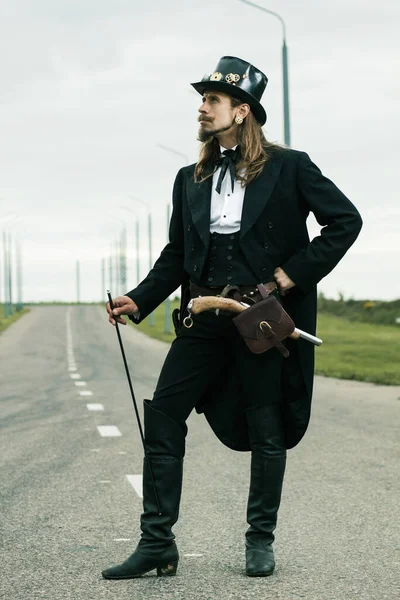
x: 226, y: 263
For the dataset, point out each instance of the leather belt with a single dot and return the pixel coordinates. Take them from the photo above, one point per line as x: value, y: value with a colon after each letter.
x: 247, y: 293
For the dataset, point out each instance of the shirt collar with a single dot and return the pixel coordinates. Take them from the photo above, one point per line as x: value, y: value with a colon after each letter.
x: 222, y: 148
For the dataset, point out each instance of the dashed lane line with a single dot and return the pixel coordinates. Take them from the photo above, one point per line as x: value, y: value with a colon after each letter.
x: 95, y: 406
x: 86, y: 393
x: 109, y: 431
x: 136, y: 482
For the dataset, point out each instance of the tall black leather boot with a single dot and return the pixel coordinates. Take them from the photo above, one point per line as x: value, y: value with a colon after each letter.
x: 165, y: 444
x: 266, y: 481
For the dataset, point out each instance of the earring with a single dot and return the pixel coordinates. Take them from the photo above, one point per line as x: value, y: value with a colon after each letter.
x: 238, y: 120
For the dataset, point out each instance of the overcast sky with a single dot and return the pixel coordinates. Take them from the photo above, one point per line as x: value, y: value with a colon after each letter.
x: 88, y: 88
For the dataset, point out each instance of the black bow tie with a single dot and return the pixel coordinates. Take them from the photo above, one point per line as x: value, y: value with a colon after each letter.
x: 227, y: 161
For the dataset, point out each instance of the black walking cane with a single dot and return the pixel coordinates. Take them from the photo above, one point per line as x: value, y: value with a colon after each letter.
x: 135, y: 405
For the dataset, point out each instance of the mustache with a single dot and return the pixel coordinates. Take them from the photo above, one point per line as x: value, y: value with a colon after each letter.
x: 201, y: 118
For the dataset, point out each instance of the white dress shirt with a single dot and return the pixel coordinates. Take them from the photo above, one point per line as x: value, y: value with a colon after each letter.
x: 226, y: 207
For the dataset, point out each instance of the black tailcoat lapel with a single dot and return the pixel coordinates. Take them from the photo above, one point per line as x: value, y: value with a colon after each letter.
x: 258, y: 193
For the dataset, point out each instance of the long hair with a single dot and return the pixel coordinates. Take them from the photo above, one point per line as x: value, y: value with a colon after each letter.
x: 255, y: 151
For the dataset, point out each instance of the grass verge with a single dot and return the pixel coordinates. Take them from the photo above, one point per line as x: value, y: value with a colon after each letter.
x: 361, y: 351
x: 351, y: 350
x: 7, y: 321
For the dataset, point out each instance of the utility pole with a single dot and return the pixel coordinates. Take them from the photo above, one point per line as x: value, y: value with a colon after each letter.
x: 5, y: 261
x: 103, y: 279
x: 78, y: 282
x: 9, y: 254
x: 122, y: 260
x: 19, y: 274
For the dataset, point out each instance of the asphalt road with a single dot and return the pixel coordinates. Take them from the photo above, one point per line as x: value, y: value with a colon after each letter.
x: 68, y: 509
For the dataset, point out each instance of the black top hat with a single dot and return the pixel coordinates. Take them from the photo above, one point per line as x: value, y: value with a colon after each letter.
x: 240, y: 79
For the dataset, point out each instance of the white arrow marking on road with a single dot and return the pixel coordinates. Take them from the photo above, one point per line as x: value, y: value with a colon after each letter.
x: 109, y: 431
x: 86, y: 393
x: 95, y: 406
x: 136, y: 482
x: 75, y: 376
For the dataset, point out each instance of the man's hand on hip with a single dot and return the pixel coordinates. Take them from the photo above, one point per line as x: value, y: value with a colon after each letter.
x: 283, y: 282
x: 123, y: 305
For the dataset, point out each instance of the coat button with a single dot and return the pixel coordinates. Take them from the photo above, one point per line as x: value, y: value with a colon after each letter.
x: 213, y: 247
x: 264, y: 269
x: 210, y: 279
x: 232, y: 237
x: 195, y: 268
x: 189, y: 227
x: 270, y: 224
x: 212, y: 269
x: 229, y: 278
x: 229, y: 257
x: 266, y: 245
x: 230, y: 247
x: 193, y: 248
x: 229, y: 267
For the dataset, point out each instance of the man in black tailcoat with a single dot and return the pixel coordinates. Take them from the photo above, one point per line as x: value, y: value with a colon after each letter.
x: 239, y: 218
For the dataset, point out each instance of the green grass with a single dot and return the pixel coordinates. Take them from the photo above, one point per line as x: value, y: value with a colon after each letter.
x: 7, y: 321
x: 159, y: 324
x: 351, y: 350
x: 361, y: 351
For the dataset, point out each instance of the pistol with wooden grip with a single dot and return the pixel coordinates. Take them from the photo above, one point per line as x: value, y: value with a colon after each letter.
x: 203, y: 303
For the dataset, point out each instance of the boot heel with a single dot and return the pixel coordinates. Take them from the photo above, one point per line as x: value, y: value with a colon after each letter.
x: 169, y: 570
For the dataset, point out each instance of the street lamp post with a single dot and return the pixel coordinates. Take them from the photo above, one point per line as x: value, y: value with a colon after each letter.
x: 119, y: 247
x: 146, y: 204
x: 285, y: 71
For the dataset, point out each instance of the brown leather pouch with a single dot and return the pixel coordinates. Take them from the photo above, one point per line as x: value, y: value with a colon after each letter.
x: 265, y: 324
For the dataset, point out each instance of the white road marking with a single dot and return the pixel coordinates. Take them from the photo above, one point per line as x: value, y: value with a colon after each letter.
x: 193, y: 555
x: 95, y: 406
x: 72, y: 369
x: 136, y: 482
x: 109, y: 430
x: 86, y: 393
x: 121, y: 452
x: 80, y: 383
x: 105, y: 481
x: 94, y: 449
x: 75, y: 376
x: 122, y: 540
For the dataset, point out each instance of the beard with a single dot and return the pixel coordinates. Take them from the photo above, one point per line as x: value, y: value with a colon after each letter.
x: 205, y: 135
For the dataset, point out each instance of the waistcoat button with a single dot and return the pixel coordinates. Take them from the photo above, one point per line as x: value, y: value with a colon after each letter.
x: 229, y: 257
x: 210, y: 279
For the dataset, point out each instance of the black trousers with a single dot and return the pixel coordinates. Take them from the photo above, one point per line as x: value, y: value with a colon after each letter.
x: 208, y: 352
